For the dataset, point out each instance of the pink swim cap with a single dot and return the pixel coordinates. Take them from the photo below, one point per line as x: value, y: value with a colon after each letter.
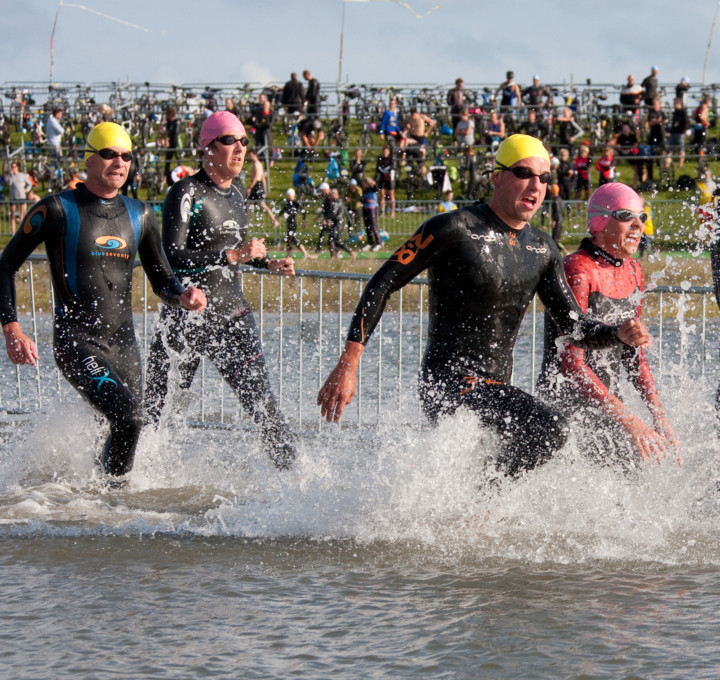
x: 611, y: 196
x: 218, y: 124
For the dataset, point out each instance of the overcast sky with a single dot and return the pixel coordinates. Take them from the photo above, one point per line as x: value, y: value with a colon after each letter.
x: 227, y: 41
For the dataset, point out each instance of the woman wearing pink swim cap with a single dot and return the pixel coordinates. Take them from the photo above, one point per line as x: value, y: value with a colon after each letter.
x: 608, y: 285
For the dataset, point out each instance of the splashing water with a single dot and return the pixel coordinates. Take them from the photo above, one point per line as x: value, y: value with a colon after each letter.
x: 433, y: 488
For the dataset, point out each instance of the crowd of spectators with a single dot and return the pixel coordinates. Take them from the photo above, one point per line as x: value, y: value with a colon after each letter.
x: 438, y: 151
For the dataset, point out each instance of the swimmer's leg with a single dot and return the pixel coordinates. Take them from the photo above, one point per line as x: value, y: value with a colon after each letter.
x: 110, y: 381
x: 531, y: 431
x: 238, y: 356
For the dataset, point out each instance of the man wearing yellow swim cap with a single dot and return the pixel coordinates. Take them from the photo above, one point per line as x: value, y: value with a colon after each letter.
x: 92, y: 235
x: 108, y: 154
x: 485, y: 264
x: 520, y: 178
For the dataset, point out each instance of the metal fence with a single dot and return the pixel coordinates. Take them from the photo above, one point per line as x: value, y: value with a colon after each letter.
x: 303, y: 322
x: 674, y: 219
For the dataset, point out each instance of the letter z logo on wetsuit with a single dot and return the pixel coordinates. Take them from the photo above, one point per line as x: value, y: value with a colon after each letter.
x: 406, y: 254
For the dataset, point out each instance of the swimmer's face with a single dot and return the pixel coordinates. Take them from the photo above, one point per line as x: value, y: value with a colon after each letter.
x: 515, y: 201
x: 106, y: 177
x: 621, y: 239
x: 227, y: 160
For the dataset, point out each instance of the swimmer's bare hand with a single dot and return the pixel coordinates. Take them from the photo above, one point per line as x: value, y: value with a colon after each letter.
x: 193, y: 299
x: 254, y: 249
x: 339, y: 388
x: 653, y: 447
x: 634, y: 333
x: 667, y: 431
x: 20, y: 348
x: 285, y: 265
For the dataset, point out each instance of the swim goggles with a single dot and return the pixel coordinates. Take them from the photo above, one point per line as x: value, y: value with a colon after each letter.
x: 622, y: 215
x: 109, y: 154
x: 521, y: 172
x: 229, y: 140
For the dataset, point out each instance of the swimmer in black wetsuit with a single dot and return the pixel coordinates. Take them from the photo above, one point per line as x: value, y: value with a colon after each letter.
x: 204, y: 234
x: 715, y: 263
x: 484, y: 265
x: 608, y: 284
x: 92, y: 236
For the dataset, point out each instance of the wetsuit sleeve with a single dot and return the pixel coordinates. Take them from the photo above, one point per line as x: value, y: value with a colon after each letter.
x: 560, y: 302
x: 418, y: 253
x: 715, y: 261
x: 178, y: 214
x: 32, y: 233
x: 155, y: 263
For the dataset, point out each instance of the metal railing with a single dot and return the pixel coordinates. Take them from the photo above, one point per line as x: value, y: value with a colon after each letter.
x: 303, y: 322
x: 673, y: 219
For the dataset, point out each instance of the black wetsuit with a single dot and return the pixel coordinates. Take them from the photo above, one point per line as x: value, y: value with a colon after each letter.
x: 291, y: 209
x: 715, y: 261
x: 201, y: 221
x: 482, y: 276
x: 91, y: 245
x: 333, y: 223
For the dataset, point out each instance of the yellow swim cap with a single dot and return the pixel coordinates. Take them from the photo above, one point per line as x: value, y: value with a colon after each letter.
x: 105, y: 135
x: 518, y: 147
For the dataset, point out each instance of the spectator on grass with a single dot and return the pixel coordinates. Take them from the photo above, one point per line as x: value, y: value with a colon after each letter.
x: 681, y: 89
x: 631, y: 95
x: 258, y: 186
x: 567, y: 128
x: 457, y: 101
x: 565, y: 174
x: 293, y: 95
x: 417, y: 127
x: 650, y: 87
x: 311, y: 133
x: 54, y: 131
x: 312, y: 95
x: 583, y: 163
x: 509, y: 91
x: 535, y: 127
x: 606, y: 166
x: 386, y: 180
x: 626, y: 146
x: 679, y: 124
x: 390, y: 129
x: 465, y: 130
x: 701, y: 123
x: 533, y: 95
x: 19, y: 190
x: 495, y: 131
x: 262, y: 119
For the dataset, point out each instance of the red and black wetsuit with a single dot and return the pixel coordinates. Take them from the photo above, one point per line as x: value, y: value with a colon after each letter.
x: 201, y: 222
x: 610, y: 290
x: 482, y: 276
x: 91, y: 244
